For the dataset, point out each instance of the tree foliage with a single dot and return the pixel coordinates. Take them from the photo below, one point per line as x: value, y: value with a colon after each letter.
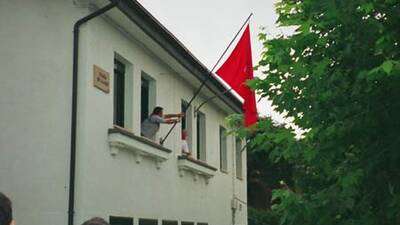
x: 338, y: 75
x: 262, y: 217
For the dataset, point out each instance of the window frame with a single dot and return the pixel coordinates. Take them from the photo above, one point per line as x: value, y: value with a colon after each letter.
x: 155, y: 221
x: 119, y: 92
x: 223, y: 149
x: 169, y: 222
x: 120, y: 217
x: 151, y: 95
x: 238, y: 158
x: 187, y: 223
x: 201, y: 140
x: 127, y: 92
x: 188, y: 122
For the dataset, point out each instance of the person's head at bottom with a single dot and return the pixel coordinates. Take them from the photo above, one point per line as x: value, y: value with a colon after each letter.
x: 184, y: 135
x: 96, y: 221
x: 5, y: 210
x: 158, y: 111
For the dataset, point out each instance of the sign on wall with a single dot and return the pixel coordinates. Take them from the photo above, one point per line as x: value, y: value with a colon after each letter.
x: 101, y: 79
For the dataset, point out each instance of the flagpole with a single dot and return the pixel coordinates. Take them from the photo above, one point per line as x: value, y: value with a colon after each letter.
x: 211, y: 98
x: 207, y: 77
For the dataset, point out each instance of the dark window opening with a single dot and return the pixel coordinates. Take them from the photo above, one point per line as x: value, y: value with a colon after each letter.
x: 201, y: 136
x: 114, y: 220
x: 169, y: 222
x: 145, y: 96
x: 184, y: 121
x: 239, y: 158
x: 202, y: 223
x: 187, y: 223
x: 223, y: 152
x: 119, y: 93
x: 148, y: 222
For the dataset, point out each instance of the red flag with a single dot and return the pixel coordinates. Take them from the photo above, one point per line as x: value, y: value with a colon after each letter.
x: 236, y: 70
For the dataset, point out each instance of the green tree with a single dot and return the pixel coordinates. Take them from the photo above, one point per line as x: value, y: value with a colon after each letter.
x: 338, y: 76
x: 266, y: 169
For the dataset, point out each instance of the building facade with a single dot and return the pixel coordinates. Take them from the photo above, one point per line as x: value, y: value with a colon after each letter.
x: 128, y: 63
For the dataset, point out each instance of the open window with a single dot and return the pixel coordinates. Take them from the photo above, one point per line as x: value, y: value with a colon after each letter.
x: 186, y: 123
x: 201, y: 136
x: 238, y: 149
x: 116, y: 220
x: 122, y: 92
x: 187, y: 223
x: 148, y: 96
x: 148, y: 222
x: 169, y: 222
x: 223, y: 149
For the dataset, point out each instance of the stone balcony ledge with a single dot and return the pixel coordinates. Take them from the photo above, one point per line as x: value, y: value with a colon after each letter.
x: 122, y: 139
x: 195, y: 167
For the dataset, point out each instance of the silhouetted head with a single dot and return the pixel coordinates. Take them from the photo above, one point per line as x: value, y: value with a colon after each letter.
x: 5, y: 210
x: 184, y: 135
x: 96, y: 221
x: 158, y: 111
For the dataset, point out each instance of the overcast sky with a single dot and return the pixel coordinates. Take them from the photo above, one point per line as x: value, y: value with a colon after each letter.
x: 206, y: 27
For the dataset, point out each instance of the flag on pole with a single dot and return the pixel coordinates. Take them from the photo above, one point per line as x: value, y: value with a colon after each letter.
x: 236, y: 70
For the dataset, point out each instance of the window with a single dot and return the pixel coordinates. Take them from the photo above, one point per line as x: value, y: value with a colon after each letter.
x: 121, y: 220
x: 186, y: 123
x: 148, y: 96
x: 148, y: 222
x: 223, y: 150
x: 119, y: 93
x: 187, y: 223
x: 169, y: 222
x: 123, y: 93
x: 238, y: 147
x: 201, y: 136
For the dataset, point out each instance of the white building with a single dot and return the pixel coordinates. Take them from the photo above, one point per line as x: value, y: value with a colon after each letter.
x: 127, y: 64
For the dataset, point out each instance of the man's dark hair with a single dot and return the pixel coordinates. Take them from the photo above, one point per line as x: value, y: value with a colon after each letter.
x: 5, y: 210
x: 96, y: 221
x: 157, y: 110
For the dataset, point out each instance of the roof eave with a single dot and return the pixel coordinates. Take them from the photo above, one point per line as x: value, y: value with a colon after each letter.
x: 155, y: 30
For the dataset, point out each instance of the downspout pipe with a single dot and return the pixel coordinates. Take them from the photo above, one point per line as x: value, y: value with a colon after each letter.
x: 75, y: 63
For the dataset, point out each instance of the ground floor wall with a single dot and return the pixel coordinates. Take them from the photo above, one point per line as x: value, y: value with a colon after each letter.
x: 35, y: 96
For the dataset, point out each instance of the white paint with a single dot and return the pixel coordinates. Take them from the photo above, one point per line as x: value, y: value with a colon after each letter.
x: 35, y: 99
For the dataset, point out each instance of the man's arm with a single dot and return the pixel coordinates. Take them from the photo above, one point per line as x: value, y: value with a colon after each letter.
x: 179, y: 115
x: 171, y: 121
x: 158, y: 119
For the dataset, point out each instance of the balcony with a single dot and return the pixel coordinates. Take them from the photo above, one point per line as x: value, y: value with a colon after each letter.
x: 140, y: 147
x: 195, y: 167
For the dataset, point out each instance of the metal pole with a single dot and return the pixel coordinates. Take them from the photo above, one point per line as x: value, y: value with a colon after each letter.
x: 211, y: 98
x: 207, y: 77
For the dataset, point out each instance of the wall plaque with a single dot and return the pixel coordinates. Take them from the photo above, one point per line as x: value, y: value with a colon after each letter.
x: 101, y: 79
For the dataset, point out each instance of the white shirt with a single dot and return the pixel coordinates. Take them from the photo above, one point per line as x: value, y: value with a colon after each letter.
x: 151, y: 125
x: 185, y: 147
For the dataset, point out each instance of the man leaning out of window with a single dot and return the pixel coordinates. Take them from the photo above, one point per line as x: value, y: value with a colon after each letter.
x: 151, y: 125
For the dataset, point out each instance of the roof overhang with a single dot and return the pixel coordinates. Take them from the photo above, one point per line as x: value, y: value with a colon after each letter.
x: 148, y: 31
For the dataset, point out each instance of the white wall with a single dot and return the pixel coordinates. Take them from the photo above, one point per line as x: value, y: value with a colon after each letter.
x: 117, y: 185
x: 35, y: 95
x: 35, y: 100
